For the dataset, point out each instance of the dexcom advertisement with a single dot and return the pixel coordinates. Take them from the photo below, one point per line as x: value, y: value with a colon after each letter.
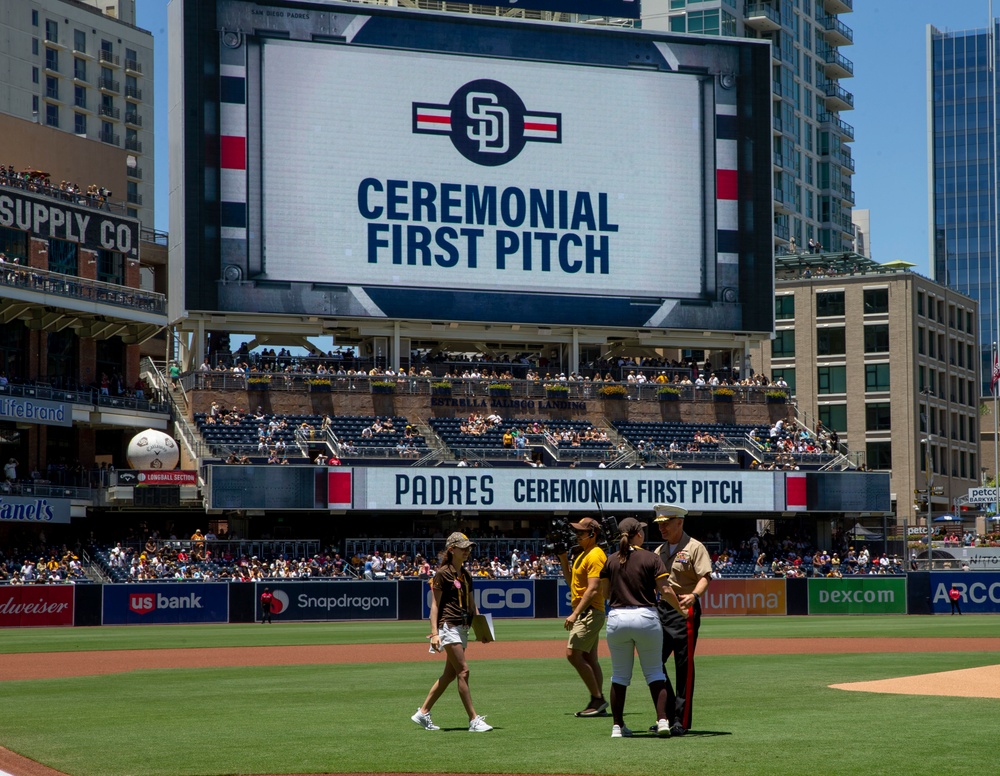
x: 433, y: 170
x: 166, y: 603
x: 343, y: 600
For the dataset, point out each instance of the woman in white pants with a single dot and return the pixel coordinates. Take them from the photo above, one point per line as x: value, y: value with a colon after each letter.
x: 634, y: 577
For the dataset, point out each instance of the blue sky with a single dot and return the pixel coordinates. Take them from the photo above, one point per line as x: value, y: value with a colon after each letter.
x: 890, y: 120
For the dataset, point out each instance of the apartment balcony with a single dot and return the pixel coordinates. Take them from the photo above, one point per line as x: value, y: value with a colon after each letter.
x: 134, y: 172
x: 133, y: 145
x: 837, y: 65
x: 106, y: 84
x: 133, y: 67
x: 762, y: 17
x: 55, y: 44
x: 135, y: 199
x: 110, y: 112
x: 782, y: 202
x: 845, y: 160
x: 133, y: 93
x: 838, y: 6
x: 107, y: 58
x: 844, y: 129
x: 776, y: 125
x: 781, y: 232
x: 836, y: 32
x: 133, y: 118
x: 82, y: 54
x: 837, y: 97
x: 847, y: 194
x: 110, y: 138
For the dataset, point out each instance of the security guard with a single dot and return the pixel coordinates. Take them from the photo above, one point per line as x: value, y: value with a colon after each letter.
x: 690, y: 568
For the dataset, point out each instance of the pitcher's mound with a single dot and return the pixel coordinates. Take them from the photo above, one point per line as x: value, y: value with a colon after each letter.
x: 966, y: 683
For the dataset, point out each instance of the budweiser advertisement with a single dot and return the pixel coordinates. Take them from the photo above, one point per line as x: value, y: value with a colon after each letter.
x: 37, y: 605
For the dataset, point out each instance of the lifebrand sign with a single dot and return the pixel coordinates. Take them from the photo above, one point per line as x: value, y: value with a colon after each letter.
x: 25, y: 410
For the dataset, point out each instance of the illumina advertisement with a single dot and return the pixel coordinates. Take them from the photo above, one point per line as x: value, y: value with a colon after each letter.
x: 386, y: 163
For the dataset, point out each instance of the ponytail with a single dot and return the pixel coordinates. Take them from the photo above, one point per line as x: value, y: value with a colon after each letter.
x: 623, y: 549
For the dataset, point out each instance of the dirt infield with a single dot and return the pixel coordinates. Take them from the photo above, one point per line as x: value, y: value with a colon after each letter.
x: 968, y: 683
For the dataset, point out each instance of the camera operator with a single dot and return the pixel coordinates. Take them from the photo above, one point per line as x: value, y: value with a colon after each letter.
x: 587, y: 618
x: 634, y: 577
x: 690, y: 568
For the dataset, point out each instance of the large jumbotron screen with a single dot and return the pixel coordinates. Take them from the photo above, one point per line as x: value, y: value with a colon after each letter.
x: 392, y: 164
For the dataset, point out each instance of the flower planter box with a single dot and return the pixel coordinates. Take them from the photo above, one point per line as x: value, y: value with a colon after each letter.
x: 776, y: 399
x: 320, y: 388
x: 383, y: 389
x: 440, y: 391
x: 669, y: 396
x: 558, y: 395
x: 258, y: 386
x: 498, y: 393
x: 722, y: 398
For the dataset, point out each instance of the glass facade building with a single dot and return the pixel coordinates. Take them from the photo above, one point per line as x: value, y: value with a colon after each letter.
x: 962, y: 89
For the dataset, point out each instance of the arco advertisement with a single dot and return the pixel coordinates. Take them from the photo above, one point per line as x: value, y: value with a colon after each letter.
x: 980, y: 591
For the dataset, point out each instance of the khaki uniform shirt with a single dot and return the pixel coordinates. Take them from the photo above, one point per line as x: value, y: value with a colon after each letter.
x: 689, y: 563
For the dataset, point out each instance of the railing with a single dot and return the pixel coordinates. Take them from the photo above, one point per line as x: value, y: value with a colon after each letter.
x: 72, y: 287
x: 48, y: 489
x: 109, y: 84
x: 133, y: 118
x: 133, y: 145
x: 839, y: 92
x: 133, y: 65
x: 84, y: 395
x: 133, y: 92
x: 108, y: 57
x: 468, y: 388
x: 833, y: 24
x: 182, y: 428
x: 109, y: 111
x: 110, y: 138
x: 834, y: 57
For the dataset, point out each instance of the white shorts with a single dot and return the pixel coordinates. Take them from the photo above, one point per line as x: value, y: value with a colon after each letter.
x: 453, y: 634
x: 631, y: 631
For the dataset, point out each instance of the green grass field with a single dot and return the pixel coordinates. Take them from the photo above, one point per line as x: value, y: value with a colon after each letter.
x: 752, y: 715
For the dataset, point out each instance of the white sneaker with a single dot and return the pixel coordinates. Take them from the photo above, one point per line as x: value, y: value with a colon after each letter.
x: 478, y: 725
x: 424, y: 720
x: 620, y: 731
x: 662, y: 728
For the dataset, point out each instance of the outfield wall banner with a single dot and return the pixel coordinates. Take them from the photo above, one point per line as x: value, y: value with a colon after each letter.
x: 863, y: 595
x: 980, y: 591
x: 36, y: 605
x: 499, y: 597
x: 745, y: 596
x: 499, y: 490
x: 332, y: 601
x: 34, y: 509
x: 162, y: 603
x: 976, y: 558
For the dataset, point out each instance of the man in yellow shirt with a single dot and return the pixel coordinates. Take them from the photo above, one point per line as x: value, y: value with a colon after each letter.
x: 587, y: 618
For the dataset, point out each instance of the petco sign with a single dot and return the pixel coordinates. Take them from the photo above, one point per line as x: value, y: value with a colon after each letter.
x: 499, y: 597
x: 166, y: 603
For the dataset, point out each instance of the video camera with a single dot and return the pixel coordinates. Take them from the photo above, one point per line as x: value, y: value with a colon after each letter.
x: 561, y: 538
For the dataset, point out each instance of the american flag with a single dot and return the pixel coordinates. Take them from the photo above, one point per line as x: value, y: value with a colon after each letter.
x: 996, y: 372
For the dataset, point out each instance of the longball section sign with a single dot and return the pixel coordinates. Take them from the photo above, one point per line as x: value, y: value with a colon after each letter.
x: 862, y: 595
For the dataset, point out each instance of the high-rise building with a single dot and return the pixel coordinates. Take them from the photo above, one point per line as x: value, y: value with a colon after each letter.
x: 813, y: 165
x: 83, y: 68
x: 887, y: 359
x: 962, y: 155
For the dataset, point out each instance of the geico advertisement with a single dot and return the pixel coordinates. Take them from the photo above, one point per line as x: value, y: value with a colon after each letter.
x: 499, y: 597
x: 343, y: 600
x: 980, y: 591
x: 34, y: 605
x: 566, y: 489
x: 166, y: 602
x: 448, y: 171
x: 745, y: 596
x: 864, y: 595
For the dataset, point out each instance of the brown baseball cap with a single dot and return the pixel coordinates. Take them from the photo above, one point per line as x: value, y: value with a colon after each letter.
x: 665, y: 512
x: 630, y: 526
x: 586, y: 524
x: 458, y: 539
